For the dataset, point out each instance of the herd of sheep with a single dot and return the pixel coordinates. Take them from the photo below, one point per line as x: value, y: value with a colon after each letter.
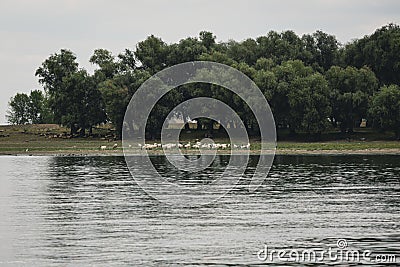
x: 197, y: 145
x: 189, y: 145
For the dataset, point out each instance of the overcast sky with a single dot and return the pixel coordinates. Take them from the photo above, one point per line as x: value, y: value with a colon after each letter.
x: 31, y: 30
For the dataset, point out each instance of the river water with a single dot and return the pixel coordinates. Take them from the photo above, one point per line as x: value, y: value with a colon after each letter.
x: 88, y: 211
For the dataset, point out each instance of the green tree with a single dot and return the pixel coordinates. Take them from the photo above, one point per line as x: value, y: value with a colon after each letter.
x: 309, y: 104
x: 152, y: 53
x: 380, y: 52
x: 81, y: 102
x: 18, y: 109
x: 108, y: 67
x: 267, y: 82
x: 32, y: 108
x: 350, y: 92
x: 327, y: 48
x: 52, y: 74
x: 117, y: 93
x: 36, y: 107
x: 207, y: 39
x: 309, y: 51
x: 54, y: 69
x: 127, y: 61
x: 385, y: 108
x: 293, y: 43
x: 274, y: 47
x: 189, y: 49
x: 116, y: 99
x: 245, y: 51
x: 73, y: 95
x: 279, y: 47
x: 264, y: 64
x: 219, y: 57
x: 286, y: 74
x: 47, y: 116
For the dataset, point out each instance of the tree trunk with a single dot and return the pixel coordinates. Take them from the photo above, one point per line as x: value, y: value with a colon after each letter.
x: 292, y: 131
x: 397, y: 133
x: 187, y: 128
x: 185, y: 121
x: 333, y: 122
x: 73, y: 129
x: 211, y: 126
x: 199, y: 125
x: 118, y: 129
x: 343, y: 127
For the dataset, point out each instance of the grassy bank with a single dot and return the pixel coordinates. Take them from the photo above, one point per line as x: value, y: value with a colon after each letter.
x: 52, y: 139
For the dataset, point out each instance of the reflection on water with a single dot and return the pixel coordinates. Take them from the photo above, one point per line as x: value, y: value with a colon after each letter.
x: 89, y: 211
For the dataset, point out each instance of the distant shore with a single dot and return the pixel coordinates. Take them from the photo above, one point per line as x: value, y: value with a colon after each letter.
x: 83, y: 153
x: 50, y: 140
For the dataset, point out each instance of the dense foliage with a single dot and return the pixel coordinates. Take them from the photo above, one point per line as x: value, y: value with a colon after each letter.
x: 29, y: 108
x: 312, y: 82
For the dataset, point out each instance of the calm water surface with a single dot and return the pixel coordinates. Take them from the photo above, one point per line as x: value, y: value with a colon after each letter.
x: 81, y: 211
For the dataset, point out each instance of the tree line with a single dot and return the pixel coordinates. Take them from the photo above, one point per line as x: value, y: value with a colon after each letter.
x: 312, y: 82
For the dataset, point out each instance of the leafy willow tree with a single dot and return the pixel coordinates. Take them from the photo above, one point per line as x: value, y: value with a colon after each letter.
x: 73, y: 95
x: 207, y: 39
x: 18, y: 109
x: 52, y: 74
x: 83, y: 107
x: 117, y: 92
x: 108, y: 67
x: 385, y: 109
x: 189, y: 49
x: 286, y: 74
x: 152, y: 54
x: 38, y: 111
x: 245, y: 51
x: 275, y: 47
x: 127, y: 61
x: 116, y: 98
x: 32, y: 108
x: 351, y: 90
x: 309, y: 104
x: 380, y: 52
x: 35, y: 106
x: 326, y: 49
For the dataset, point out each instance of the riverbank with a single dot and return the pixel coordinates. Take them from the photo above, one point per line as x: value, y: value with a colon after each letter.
x: 95, y: 151
x: 53, y: 140
x: 278, y: 153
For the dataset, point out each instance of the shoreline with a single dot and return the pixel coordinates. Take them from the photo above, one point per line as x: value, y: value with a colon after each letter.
x: 279, y: 152
x: 50, y: 140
